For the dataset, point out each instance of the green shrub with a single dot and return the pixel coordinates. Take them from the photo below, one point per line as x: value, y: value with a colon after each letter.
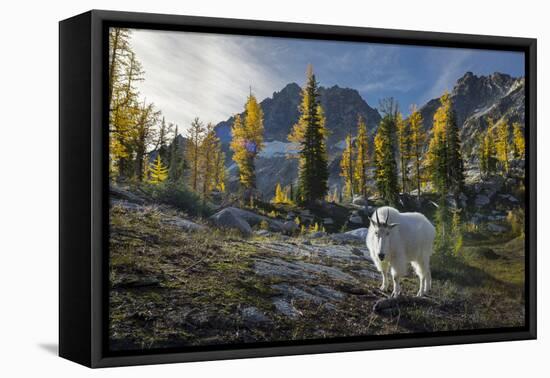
x: 516, y: 220
x: 178, y: 196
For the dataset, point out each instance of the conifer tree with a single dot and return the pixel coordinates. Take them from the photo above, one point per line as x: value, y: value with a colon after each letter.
x: 162, y: 143
x: 489, y: 149
x: 454, y: 159
x: 176, y: 159
x: 444, y: 154
x: 384, y: 160
x: 362, y: 160
x: 503, y: 145
x: 279, y: 194
x: 158, y: 172
x: 195, y: 134
x: 219, y: 167
x: 208, y: 162
x: 247, y: 141
x: 347, y: 168
x: 404, y: 142
x: 518, y: 146
x: 310, y: 133
x: 124, y: 71
x: 143, y: 135
x: 418, y: 138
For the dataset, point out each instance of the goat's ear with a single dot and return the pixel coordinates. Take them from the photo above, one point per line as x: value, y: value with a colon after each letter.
x: 392, y: 225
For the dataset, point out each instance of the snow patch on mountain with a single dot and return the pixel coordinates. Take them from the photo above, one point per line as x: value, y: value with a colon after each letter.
x: 276, y: 148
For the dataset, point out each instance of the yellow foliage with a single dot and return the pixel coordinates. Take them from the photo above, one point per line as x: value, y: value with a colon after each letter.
x: 362, y: 158
x: 158, y: 171
x: 503, y: 144
x: 346, y: 164
x: 418, y: 138
x: 264, y: 225
x: 247, y: 141
x: 519, y: 142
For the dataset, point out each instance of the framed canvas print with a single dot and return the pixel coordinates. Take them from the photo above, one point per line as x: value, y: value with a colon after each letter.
x: 233, y: 188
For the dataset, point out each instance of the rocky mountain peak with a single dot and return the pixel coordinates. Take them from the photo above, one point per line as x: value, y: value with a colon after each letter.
x: 342, y: 107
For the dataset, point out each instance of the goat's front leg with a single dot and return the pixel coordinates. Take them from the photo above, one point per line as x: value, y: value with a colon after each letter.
x: 384, y: 272
x: 396, y: 286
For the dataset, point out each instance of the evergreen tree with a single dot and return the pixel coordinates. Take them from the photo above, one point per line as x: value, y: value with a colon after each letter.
x: 310, y: 134
x: 195, y: 134
x: 404, y: 142
x: 347, y: 168
x: 454, y: 159
x: 247, y: 141
x: 384, y: 160
x: 143, y: 136
x: 206, y: 161
x: 362, y: 160
x: 518, y: 147
x: 481, y: 153
x: 503, y: 145
x: 176, y: 166
x: 418, y: 138
x: 158, y: 172
x: 448, y: 240
x: 162, y: 143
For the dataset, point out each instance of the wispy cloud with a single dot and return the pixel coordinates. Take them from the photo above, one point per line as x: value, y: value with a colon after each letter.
x: 448, y: 66
x: 190, y: 75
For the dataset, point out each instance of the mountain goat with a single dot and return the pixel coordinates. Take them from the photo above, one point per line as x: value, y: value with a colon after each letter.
x: 396, y: 239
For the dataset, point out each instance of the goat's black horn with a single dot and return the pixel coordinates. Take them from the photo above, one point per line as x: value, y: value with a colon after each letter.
x: 387, y: 217
x: 377, y: 219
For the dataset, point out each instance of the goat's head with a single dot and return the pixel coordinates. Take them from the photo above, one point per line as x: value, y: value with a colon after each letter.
x: 382, y: 231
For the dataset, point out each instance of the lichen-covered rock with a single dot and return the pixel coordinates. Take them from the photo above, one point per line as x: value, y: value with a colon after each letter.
x: 228, y: 219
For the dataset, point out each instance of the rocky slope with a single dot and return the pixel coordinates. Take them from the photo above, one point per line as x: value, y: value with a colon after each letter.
x: 178, y: 281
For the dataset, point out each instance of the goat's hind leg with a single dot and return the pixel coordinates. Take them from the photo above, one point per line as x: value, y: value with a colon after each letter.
x: 420, y: 272
x: 427, y: 275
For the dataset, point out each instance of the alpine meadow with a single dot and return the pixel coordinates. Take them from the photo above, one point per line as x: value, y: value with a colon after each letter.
x: 272, y: 189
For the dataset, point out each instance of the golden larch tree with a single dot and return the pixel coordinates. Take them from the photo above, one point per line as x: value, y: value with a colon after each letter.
x: 519, y: 142
x: 158, y: 172
x: 195, y: 134
x: 362, y: 159
x: 247, y: 141
x: 418, y: 138
x: 503, y: 144
x: 347, y: 168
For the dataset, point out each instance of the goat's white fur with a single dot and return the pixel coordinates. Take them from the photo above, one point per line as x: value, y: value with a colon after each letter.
x: 402, y: 238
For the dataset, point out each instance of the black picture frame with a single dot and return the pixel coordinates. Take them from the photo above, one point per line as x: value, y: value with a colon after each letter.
x: 83, y: 195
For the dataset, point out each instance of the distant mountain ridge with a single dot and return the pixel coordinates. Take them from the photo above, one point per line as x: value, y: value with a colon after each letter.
x: 474, y: 98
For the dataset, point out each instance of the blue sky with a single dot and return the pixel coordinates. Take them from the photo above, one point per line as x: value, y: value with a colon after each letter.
x: 209, y: 75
